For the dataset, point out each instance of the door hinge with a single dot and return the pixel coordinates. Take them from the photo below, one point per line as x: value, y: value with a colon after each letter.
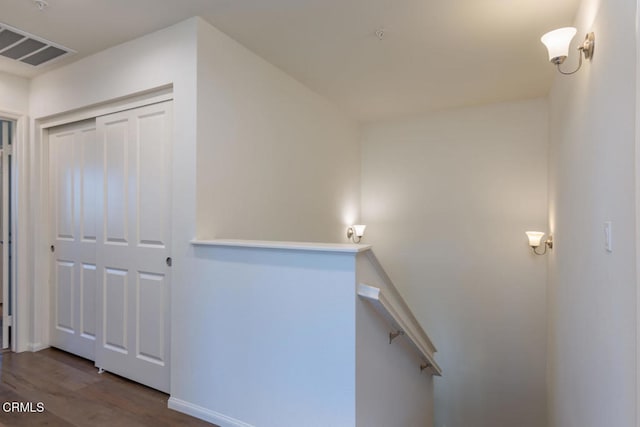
x: 9, y: 320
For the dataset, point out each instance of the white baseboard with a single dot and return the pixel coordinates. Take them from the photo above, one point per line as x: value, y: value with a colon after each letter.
x: 33, y: 347
x: 204, y: 413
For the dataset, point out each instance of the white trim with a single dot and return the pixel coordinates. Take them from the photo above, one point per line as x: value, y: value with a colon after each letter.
x: 11, y: 115
x: 204, y: 413
x: 141, y: 99
x: 12, y: 237
x: 21, y: 278
x: 33, y: 347
x: 290, y: 246
x: 8, y: 228
x: 41, y: 240
x: 637, y: 213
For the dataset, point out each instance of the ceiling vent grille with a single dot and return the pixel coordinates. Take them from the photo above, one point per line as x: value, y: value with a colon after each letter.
x: 27, y: 48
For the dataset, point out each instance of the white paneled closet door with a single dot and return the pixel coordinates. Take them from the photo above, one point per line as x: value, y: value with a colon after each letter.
x: 133, y: 244
x: 74, y: 175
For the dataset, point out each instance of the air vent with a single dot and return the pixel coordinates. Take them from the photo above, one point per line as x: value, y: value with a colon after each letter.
x: 27, y: 48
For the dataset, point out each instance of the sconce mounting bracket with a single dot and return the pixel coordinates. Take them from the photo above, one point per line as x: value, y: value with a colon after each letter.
x: 588, y: 45
x: 547, y: 244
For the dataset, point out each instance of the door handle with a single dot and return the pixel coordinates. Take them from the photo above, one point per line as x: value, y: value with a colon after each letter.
x: 169, y: 261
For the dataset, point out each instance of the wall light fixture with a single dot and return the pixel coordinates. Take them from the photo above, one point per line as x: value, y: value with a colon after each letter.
x: 535, y: 239
x: 355, y: 233
x: 557, y: 43
x: 41, y: 4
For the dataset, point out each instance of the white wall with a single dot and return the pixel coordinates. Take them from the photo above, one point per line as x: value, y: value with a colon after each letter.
x: 14, y: 94
x: 592, y: 298
x: 265, y: 146
x: 275, y: 160
x: 267, y: 338
x: 447, y: 198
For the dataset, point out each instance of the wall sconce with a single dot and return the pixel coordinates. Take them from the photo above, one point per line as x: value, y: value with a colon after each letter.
x: 41, y: 4
x: 557, y: 43
x: 355, y: 233
x: 535, y: 238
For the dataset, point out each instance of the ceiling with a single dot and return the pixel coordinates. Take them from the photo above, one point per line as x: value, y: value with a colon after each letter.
x: 435, y: 54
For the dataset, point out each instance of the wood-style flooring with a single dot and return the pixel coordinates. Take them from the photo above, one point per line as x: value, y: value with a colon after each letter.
x: 74, y: 394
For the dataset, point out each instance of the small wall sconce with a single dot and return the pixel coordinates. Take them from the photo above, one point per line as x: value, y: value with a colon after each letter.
x: 557, y: 43
x: 535, y: 238
x: 41, y: 4
x: 355, y: 233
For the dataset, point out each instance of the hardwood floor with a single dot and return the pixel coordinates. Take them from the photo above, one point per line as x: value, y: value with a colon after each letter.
x: 74, y: 394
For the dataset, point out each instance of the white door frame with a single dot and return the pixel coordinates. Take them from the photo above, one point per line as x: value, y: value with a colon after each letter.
x: 637, y: 213
x: 38, y: 306
x: 20, y: 280
x: 8, y: 227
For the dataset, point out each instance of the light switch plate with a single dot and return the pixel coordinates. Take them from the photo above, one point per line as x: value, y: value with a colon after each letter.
x: 608, y: 236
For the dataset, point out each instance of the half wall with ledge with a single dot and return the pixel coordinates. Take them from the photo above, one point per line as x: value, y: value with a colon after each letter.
x: 298, y: 334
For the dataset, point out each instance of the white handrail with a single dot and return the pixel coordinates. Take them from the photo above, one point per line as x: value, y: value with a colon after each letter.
x: 416, y: 335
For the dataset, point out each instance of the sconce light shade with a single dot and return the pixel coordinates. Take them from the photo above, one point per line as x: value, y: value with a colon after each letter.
x: 358, y: 230
x: 534, y: 238
x: 355, y: 232
x: 557, y: 43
